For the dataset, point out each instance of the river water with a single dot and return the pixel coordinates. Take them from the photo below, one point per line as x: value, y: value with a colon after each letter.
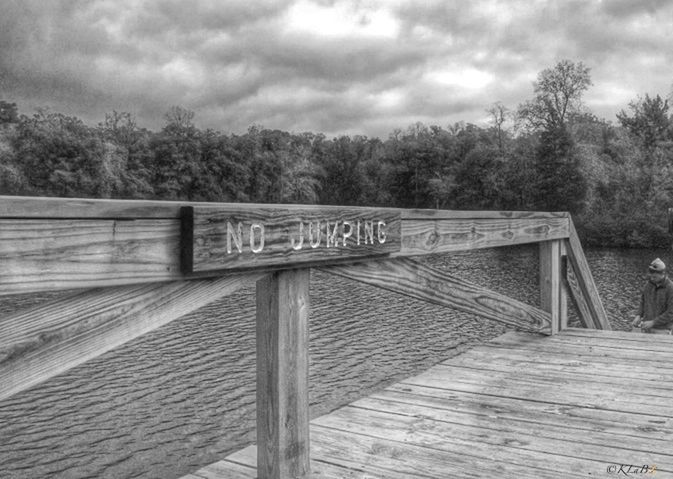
x: 183, y: 396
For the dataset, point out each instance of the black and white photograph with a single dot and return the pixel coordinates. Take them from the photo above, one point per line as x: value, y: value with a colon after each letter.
x: 336, y: 239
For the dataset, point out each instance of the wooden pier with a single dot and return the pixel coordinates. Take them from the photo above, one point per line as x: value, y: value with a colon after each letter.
x: 547, y: 401
x: 583, y: 403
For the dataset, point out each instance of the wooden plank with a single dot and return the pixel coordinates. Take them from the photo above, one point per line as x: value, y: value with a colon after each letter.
x: 620, y: 355
x: 496, y: 440
x: 428, y: 214
x: 41, y: 255
x: 46, y: 207
x: 552, y: 362
x: 518, y: 368
x: 603, y: 335
x: 577, y: 419
x: 557, y: 391
x: 585, y: 280
x: 393, y: 447
x: 218, y: 238
x: 282, y: 375
x: 409, y: 277
x: 447, y: 235
x: 552, y: 294
x: 226, y: 470
x: 319, y: 468
x: 49, y: 339
x: 572, y: 285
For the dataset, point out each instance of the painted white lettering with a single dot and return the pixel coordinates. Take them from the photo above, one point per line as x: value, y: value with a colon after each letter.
x: 236, y: 235
x: 300, y: 243
x: 369, y: 232
x: 358, y: 233
x: 256, y: 248
x: 332, y: 237
x: 381, y: 232
x: 316, y: 243
x: 347, y: 233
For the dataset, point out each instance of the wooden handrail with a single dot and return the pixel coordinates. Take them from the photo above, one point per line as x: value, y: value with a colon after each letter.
x: 164, y: 259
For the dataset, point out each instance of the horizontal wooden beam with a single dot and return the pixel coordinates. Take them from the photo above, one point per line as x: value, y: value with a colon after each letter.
x: 447, y: 235
x: 41, y: 255
x: 51, y: 338
x: 416, y: 280
x: 45, y: 207
x: 56, y: 243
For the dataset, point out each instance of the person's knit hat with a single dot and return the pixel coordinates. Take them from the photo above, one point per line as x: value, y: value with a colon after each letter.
x: 657, y: 266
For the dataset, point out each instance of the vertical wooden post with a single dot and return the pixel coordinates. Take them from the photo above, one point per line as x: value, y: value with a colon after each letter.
x: 282, y: 375
x: 553, y: 296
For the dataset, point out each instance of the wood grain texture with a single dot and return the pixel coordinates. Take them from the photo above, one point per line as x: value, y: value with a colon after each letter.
x: 425, y: 236
x: 575, y: 292
x: 282, y: 375
x: 231, y: 238
x: 41, y: 255
x: 585, y: 280
x: 552, y: 294
x: 53, y: 337
x: 409, y: 277
x: 497, y: 411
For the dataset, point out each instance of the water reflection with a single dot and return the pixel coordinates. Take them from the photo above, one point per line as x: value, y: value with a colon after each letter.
x: 183, y: 396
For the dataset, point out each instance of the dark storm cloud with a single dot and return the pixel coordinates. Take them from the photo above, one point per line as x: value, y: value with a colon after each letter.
x: 338, y: 66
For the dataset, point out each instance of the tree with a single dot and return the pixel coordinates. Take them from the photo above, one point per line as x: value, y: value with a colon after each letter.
x: 499, y: 114
x: 649, y: 121
x: 558, y: 93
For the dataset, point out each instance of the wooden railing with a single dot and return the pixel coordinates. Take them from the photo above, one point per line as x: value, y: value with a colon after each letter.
x: 137, y: 265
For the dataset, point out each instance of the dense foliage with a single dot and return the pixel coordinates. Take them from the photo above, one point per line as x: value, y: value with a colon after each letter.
x: 550, y: 154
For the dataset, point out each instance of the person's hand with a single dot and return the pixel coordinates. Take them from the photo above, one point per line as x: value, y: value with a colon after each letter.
x: 636, y: 321
x: 647, y: 325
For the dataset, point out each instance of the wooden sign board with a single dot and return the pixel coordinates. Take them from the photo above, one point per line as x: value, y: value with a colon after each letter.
x: 216, y: 239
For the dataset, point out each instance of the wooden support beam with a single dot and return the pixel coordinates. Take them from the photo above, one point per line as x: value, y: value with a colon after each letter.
x: 552, y: 293
x: 282, y: 375
x: 51, y: 338
x: 585, y: 281
x: 570, y: 280
x: 409, y: 277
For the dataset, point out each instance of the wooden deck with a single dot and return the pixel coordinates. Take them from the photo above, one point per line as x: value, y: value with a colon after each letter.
x: 584, y: 403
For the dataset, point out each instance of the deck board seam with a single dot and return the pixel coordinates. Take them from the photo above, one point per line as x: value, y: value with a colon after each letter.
x: 580, y: 405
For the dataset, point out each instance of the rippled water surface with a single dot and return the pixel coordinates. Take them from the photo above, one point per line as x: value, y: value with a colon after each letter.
x: 184, y: 396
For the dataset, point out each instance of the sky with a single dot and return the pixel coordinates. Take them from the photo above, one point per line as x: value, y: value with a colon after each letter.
x: 336, y: 67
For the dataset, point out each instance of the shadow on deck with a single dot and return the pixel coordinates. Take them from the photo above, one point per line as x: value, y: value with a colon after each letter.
x: 583, y: 403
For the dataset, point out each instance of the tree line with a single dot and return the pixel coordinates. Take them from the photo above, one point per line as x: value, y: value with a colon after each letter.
x: 549, y: 154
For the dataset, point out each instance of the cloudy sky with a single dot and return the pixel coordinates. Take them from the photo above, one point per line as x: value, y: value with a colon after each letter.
x: 332, y: 66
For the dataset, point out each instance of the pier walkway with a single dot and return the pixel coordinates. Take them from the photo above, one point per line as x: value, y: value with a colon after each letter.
x: 582, y: 403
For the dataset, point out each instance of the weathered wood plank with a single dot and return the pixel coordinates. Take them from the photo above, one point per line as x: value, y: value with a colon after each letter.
x: 572, y: 285
x: 447, y: 235
x: 549, y: 363
x: 537, y: 414
x: 660, y: 339
x: 498, y: 439
x: 550, y: 390
x: 431, y: 214
x: 282, y: 375
x: 508, y: 367
x: 585, y: 280
x: 409, y: 277
x: 552, y: 295
x: 45, y: 207
x: 41, y: 255
x: 49, y: 339
x: 219, y: 238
